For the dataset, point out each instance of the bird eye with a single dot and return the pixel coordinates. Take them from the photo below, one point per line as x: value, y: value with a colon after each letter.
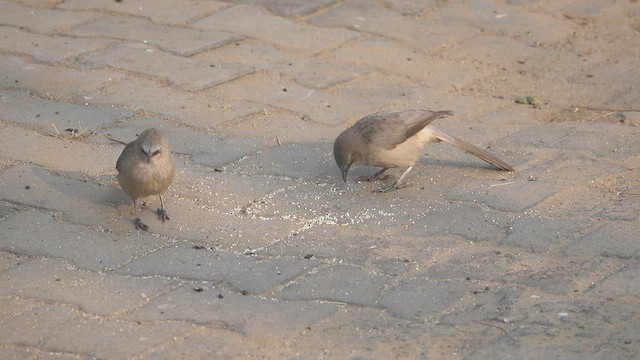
x: 156, y: 152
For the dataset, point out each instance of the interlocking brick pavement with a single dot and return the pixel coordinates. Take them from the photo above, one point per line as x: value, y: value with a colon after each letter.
x: 267, y: 253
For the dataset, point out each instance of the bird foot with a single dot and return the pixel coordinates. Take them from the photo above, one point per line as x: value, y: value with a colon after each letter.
x: 162, y: 214
x: 372, y: 178
x: 140, y: 225
x: 391, y: 188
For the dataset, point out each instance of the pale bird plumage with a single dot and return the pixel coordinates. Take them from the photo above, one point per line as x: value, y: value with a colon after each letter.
x: 395, y: 139
x: 146, y: 167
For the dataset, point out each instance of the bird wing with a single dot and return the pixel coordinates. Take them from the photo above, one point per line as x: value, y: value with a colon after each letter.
x: 125, y: 153
x: 416, y: 120
x: 390, y: 128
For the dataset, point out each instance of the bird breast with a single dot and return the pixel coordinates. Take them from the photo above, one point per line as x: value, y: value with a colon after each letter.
x: 147, y: 178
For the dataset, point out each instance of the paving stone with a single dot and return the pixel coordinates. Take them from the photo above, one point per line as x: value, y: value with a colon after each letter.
x: 58, y: 281
x: 58, y: 152
x: 201, y: 221
x: 565, y: 277
x: 224, y: 192
x: 14, y: 306
x: 377, y: 91
x: 39, y: 3
x: 80, y: 201
x: 198, y: 110
x: 335, y: 244
x: 621, y: 203
x: 306, y: 161
x: 410, y: 7
x: 203, y: 303
x: 615, y: 350
x: 621, y: 283
x: 175, y: 70
x: 493, y: 306
x: 45, y: 48
x: 622, y: 95
x: 202, y: 147
x: 540, y: 234
x: 233, y: 232
x: 390, y: 57
x: 375, y: 334
x: 604, y: 140
x: 324, y: 203
x: 343, y: 283
x: 30, y: 232
x: 287, y: 34
x: 182, y: 41
x: 460, y: 264
x: 505, y: 52
x: 41, y: 20
x: 420, y: 298
x: 106, y: 338
x: 34, y: 327
x: 513, y: 346
x: 623, y: 341
x: 616, y: 239
x: 315, y: 73
x: 290, y: 8
x: 215, y: 344
x: 35, y: 353
x: 7, y: 209
x: 279, y: 126
x: 361, y: 15
x: 506, y: 20
x: 470, y: 221
x: 172, y: 13
x: 23, y: 108
x: 516, y: 195
x: 10, y: 260
x: 274, y: 91
x: 51, y: 81
x: 329, y: 107
x: 601, y: 140
x: 548, y: 325
x: 485, y: 265
x: 242, y: 272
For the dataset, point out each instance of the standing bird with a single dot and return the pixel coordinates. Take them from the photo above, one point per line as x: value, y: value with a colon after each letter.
x: 146, y: 168
x: 395, y: 139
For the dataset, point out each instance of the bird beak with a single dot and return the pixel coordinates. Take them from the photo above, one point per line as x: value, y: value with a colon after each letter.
x: 149, y: 156
x: 345, y: 169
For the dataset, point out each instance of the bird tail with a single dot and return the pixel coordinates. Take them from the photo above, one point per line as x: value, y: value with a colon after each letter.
x: 471, y: 149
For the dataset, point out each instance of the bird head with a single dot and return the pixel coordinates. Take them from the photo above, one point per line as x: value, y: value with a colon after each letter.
x: 150, y: 143
x: 343, y: 155
x: 150, y: 150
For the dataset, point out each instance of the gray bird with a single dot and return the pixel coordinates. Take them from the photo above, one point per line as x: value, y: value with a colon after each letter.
x: 395, y: 139
x: 146, y: 168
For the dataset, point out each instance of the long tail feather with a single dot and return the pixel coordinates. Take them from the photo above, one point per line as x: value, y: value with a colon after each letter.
x: 472, y: 149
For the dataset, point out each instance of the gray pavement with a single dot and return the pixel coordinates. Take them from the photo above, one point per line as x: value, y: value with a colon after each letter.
x: 267, y: 253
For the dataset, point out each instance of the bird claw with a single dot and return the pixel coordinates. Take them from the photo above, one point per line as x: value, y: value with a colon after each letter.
x: 372, y: 178
x: 391, y: 188
x: 140, y: 225
x: 162, y: 214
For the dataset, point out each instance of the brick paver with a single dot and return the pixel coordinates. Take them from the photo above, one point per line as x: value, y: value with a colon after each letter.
x: 268, y: 254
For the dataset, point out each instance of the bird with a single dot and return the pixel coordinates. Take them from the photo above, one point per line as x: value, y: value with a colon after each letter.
x: 391, y: 139
x: 146, y: 168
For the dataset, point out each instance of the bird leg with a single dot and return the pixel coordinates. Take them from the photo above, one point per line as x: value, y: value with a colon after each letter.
x: 139, y: 224
x: 397, y: 184
x: 377, y: 176
x: 161, y: 212
x: 399, y: 181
